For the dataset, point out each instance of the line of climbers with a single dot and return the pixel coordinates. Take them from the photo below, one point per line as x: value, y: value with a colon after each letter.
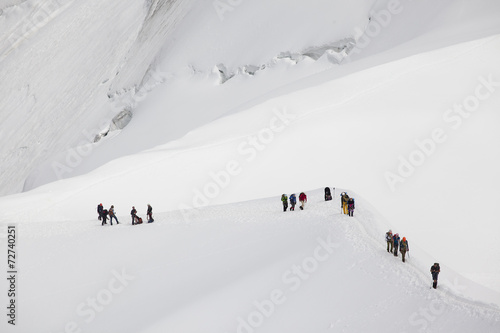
x: 104, y: 213
x: 293, y: 201
x: 346, y: 203
x: 394, y: 242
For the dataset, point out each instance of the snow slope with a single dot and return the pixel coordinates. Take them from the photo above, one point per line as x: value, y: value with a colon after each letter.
x: 297, y: 114
x: 351, y: 137
x: 59, y: 61
x: 242, y: 267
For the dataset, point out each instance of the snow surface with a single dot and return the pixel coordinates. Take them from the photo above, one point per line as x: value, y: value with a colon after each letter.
x: 294, y: 108
x: 322, y: 270
x: 60, y: 59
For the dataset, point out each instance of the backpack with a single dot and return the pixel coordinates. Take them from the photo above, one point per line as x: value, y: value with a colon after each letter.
x: 284, y: 198
x: 388, y: 236
x: 105, y: 212
x: 327, y: 191
x: 350, y: 204
x: 396, y: 239
x: 293, y: 199
x: 302, y: 196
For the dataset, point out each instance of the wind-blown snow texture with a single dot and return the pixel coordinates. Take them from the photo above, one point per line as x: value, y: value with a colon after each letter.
x: 237, y: 101
x: 59, y: 61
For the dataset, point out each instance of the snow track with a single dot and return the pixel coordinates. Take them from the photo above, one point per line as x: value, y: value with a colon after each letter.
x: 226, y: 259
x: 67, y: 67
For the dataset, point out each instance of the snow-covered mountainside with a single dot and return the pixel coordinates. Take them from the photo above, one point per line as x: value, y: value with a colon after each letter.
x: 199, y: 107
x: 245, y: 267
x: 60, y: 59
